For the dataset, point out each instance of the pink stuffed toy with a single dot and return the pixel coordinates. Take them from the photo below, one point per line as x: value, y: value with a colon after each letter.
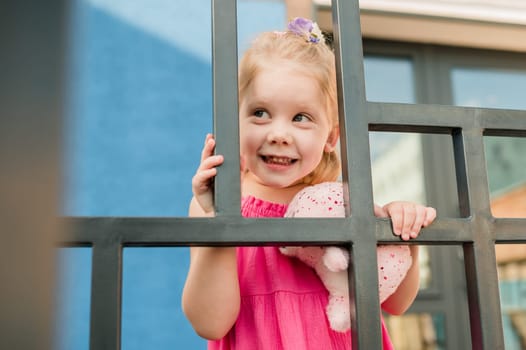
x: 330, y: 263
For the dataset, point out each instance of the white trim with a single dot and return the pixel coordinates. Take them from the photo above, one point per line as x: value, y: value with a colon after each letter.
x: 495, y: 11
x: 432, y: 22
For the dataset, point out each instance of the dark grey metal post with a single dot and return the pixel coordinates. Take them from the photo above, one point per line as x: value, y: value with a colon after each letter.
x: 483, y: 298
x: 354, y: 131
x: 106, y: 291
x: 477, y: 231
x: 225, y: 105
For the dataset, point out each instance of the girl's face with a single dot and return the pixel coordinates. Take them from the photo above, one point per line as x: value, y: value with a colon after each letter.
x: 284, y: 126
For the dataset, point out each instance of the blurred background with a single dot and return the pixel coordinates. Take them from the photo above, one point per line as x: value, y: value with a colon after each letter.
x: 138, y: 92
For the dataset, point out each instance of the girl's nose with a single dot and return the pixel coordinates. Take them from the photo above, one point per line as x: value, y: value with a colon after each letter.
x: 279, y: 135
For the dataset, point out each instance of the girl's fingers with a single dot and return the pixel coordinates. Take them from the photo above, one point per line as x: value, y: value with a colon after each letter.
x: 208, y: 148
x: 430, y: 216
x: 420, y: 215
x: 211, y: 162
x: 380, y: 212
x: 397, y: 218
x: 201, y: 180
x: 409, y: 219
x: 208, y: 167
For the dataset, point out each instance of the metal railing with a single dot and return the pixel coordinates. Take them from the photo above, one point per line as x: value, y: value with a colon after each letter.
x: 477, y: 230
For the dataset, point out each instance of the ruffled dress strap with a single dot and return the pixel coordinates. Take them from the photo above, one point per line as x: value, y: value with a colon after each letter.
x: 252, y: 207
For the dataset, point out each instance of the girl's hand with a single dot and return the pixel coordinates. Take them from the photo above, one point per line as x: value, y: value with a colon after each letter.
x: 202, y: 182
x: 407, y: 218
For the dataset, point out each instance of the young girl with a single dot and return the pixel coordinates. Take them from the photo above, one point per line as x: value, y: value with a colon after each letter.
x: 256, y: 297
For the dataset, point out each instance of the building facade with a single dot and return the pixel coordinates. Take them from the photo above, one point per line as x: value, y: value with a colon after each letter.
x: 141, y: 103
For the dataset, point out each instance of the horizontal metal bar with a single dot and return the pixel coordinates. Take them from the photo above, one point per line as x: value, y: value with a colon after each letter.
x: 505, y: 132
x: 443, y: 231
x: 510, y: 230
x: 224, y: 231
x: 502, y: 122
x: 442, y: 118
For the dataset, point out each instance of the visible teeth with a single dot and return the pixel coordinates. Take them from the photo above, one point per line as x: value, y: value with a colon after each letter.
x: 279, y: 160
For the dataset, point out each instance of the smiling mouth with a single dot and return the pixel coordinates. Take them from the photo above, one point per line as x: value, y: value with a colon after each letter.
x: 278, y: 160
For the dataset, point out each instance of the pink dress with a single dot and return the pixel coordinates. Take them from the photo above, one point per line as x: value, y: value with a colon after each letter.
x: 282, y: 300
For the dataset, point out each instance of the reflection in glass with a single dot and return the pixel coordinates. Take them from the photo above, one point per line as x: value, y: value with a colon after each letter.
x: 505, y: 156
x: 389, y: 79
x: 506, y: 168
x: 396, y: 158
x: 414, y: 331
x: 398, y: 169
x: 489, y: 88
x: 397, y: 174
x: 511, y: 261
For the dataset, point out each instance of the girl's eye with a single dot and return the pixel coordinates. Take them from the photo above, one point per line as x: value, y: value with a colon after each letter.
x: 301, y: 118
x: 260, y: 113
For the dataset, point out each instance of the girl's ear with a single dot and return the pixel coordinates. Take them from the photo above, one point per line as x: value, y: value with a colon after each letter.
x: 332, y: 140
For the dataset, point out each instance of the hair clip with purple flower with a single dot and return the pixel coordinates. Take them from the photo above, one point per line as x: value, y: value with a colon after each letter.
x: 306, y: 28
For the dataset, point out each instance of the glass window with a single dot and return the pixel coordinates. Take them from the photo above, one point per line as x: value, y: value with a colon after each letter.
x: 489, y: 88
x: 506, y: 168
x: 427, y: 331
x: 389, y: 79
x: 396, y: 158
x: 512, y: 286
x: 141, y: 102
x: 505, y: 156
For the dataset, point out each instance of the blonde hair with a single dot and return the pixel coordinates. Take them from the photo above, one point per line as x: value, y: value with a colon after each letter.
x: 317, y: 60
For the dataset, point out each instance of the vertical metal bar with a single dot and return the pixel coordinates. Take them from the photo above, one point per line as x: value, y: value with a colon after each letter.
x: 480, y: 261
x: 363, y: 282
x: 483, y: 295
x: 32, y: 61
x: 454, y: 303
x: 225, y: 105
x: 440, y: 189
x: 469, y: 147
x: 354, y: 131
x: 460, y: 170
x: 106, y: 284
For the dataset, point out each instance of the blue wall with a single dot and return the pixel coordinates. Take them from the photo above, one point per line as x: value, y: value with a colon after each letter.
x: 140, y: 106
